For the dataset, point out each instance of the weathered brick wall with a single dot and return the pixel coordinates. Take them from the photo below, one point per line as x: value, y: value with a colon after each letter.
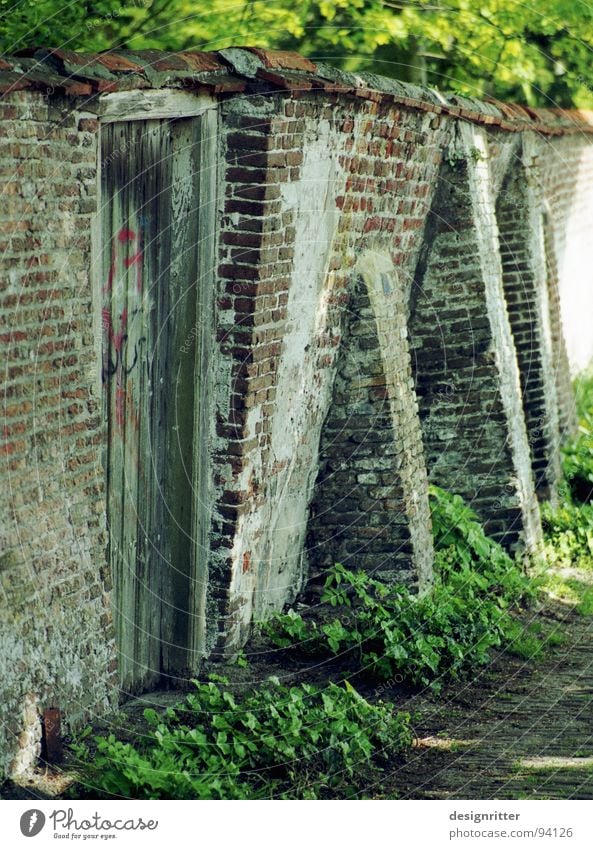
x: 56, y: 640
x: 309, y: 208
x: 561, y: 365
x: 520, y: 219
x: 369, y: 505
x: 396, y: 274
x: 466, y: 371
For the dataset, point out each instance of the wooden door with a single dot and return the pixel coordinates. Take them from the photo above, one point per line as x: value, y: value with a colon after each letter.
x: 152, y: 335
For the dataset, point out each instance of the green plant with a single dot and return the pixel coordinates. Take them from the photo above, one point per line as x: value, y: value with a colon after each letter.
x: 568, y: 528
x: 577, y: 454
x: 524, y: 642
x: 292, y: 742
x: 241, y: 660
x: 568, y: 535
x: 292, y: 630
x: 459, y: 538
x: 424, y: 638
x: 455, y: 157
x: 585, y: 606
x: 534, y: 53
x: 567, y: 550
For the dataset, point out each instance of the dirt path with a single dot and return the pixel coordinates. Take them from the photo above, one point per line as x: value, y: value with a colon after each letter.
x: 519, y: 730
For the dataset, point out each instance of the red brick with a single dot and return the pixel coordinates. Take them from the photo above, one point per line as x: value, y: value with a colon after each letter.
x: 284, y: 59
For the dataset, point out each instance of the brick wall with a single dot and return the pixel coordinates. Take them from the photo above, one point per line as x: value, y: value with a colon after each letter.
x: 307, y: 191
x: 466, y: 372
x: 56, y: 639
x: 561, y: 364
x: 379, y: 320
x: 520, y: 219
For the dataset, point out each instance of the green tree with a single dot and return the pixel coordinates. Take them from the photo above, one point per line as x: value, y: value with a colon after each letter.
x: 522, y: 51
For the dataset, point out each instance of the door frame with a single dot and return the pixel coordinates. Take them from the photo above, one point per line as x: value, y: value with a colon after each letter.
x: 174, y: 104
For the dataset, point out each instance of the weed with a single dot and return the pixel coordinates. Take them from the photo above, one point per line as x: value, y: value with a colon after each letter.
x: 303, y: 741
x: 443, y: 634
x: 567, y: 552
x: 577, y: 459
x: 241, y: 660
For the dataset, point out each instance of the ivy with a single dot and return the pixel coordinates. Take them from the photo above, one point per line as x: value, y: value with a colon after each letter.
x: 426, y: 639
x: 286, y: 742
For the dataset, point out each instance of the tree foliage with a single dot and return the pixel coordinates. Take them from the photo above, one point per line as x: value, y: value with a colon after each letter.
x: 536, y: 53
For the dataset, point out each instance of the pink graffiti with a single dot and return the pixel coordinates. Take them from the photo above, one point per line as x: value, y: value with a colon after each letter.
x: 127, y: 238
x: 115, y: 339
x: 126, y: 252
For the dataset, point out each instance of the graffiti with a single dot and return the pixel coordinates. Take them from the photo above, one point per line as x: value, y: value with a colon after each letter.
x: 124, y: 305
x: 115, y: 343
x: 121, y: 320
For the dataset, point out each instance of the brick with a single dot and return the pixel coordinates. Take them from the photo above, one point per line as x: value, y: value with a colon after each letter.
x: 88, y: 125
x: 308, y: 346
x: 48, y: 261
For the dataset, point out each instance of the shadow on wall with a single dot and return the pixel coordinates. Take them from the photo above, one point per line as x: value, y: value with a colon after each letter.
x: 465, y: 364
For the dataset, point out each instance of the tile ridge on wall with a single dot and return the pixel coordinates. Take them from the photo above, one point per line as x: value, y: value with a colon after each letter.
x: 253, y: 70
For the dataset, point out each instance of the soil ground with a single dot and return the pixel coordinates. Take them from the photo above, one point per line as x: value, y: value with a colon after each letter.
x: 520, y: 729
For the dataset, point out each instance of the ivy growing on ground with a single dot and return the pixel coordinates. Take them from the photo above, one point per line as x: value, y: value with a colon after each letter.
x: 426, y: 638
x: 310, y: 742
x: 568, y: 527
x: 577, y: 454
x: 275, y: 741
x: 568, y: 535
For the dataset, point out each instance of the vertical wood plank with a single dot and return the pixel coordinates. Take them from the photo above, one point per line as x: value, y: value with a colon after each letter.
x: 157, y: 267
x: 114, y: 202
x: 143, y: 292
x: 207, y: 182
x: 179, y: 397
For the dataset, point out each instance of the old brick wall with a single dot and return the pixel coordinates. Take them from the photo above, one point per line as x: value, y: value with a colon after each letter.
x: 465, y: 363
x: 57, y: 646
x: 322, y: 219
x: 520, y: 220
x: 395, y: 281
x: 566, y: 177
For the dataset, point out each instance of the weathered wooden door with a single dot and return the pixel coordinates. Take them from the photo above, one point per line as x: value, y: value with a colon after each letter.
x: 150, y: 176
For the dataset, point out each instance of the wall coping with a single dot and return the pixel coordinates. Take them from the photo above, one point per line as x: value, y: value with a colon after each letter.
x: 252, y: 70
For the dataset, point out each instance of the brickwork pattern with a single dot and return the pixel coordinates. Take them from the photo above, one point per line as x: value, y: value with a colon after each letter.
x: 385, y: 162
x: 458, y: 360
x: 343, y: 207
x: 55, y: 629
x: 524, y: 274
